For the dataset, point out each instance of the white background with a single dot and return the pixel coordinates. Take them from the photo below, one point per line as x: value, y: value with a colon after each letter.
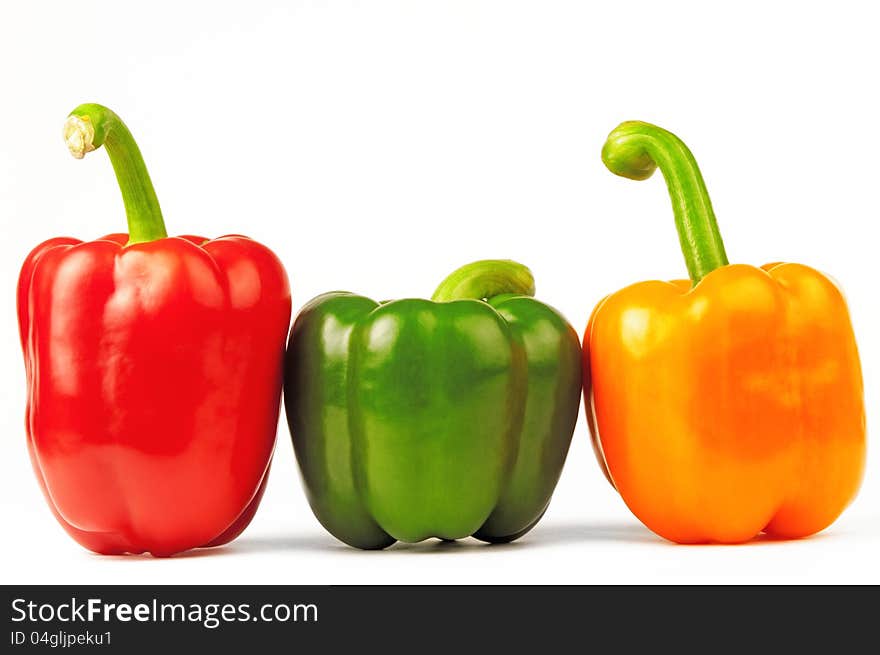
x: 375, y: 146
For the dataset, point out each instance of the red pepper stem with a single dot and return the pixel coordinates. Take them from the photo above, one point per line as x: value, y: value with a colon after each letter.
x: 634, y: 150
x: 90, y: 126
x: 485, y: 279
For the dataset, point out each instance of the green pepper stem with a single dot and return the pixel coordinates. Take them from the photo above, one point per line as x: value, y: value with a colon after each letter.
x: 634, y: 150
x: 484, y: 279
x: 90, y: 126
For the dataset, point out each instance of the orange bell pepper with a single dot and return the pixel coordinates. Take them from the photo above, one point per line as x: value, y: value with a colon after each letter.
x: 730, y: 404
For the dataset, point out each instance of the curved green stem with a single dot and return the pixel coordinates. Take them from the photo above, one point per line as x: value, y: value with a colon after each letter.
x: 634, y: 149
x: 90, y: 126
x: 484, y: 279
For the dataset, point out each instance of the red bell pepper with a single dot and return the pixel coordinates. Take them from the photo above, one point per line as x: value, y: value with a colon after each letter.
x: 154, y: 369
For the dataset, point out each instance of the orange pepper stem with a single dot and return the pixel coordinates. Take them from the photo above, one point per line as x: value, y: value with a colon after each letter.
x: 634, y: 150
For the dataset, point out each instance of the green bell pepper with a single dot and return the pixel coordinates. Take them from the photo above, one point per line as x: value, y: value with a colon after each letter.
x: 413, y: 419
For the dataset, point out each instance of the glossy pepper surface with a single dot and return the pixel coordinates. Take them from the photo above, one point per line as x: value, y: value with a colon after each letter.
x: 414, y: 419
x: 729, y: 404
x: 154, y: 370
